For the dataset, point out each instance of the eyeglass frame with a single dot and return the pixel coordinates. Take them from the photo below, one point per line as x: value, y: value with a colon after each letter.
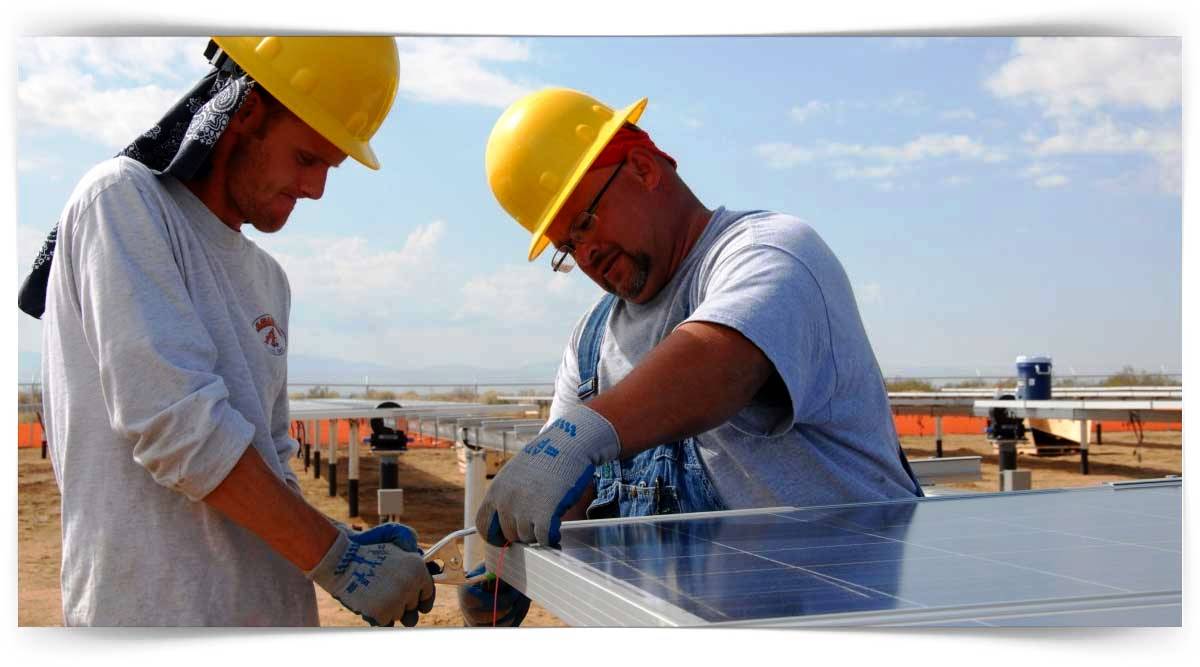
x: 561, y: 253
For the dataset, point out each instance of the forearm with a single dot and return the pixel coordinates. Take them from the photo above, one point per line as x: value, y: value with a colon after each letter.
x: 696, y: 379
x: 254, y: 498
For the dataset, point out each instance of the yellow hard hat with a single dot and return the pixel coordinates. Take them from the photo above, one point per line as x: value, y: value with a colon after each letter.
x: 343, y: 87
x: 541, y: 147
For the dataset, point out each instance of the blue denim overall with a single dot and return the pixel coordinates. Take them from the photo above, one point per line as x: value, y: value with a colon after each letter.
x: 665, y: 479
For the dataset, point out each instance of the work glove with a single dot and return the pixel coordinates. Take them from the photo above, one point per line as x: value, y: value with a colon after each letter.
x: 387, y: 533
x: 379, y: 581
x: 529, y: 495
x: 491, y: 597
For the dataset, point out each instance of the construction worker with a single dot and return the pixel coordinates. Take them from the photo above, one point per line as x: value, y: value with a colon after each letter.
x: 165, y: 355
x: 727, y: 366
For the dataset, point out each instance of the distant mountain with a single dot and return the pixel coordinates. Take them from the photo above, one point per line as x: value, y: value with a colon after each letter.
x: 304, y: 369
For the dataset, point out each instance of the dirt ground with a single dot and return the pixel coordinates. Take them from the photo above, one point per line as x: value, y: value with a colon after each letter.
x: 433, y: 496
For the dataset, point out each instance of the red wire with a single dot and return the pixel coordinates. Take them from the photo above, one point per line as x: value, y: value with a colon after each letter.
x: 496, y: 593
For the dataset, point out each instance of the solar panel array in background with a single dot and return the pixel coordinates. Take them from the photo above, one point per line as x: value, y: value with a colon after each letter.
x: 973, y: 560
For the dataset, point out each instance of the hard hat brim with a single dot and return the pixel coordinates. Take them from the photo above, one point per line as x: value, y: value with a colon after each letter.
x: 629, y: 114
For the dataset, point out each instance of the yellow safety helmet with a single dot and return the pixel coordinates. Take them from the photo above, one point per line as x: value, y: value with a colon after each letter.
x: 541, y: 147
x: 343, y: 87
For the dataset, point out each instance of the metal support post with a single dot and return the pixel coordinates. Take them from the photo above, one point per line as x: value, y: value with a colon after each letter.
x: 1083, y: 446
x: 309, y: 428
x: 1008, y: 458
x: 352, y: 473
x: 937, y: 425
x: 332, y: 471
x: 474, y: 491
x: 317, y: 454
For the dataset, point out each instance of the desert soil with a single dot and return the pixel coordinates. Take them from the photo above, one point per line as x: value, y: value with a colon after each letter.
x: 433, y: 496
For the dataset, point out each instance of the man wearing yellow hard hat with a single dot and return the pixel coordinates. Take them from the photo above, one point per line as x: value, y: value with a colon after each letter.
x: 727, y: 366
x: 165, y: 355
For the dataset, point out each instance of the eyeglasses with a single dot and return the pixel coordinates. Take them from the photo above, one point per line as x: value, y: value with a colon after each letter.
x: 563, y: 258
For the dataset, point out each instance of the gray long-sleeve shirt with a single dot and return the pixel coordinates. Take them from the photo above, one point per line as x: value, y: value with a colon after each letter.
x: 164, y: 357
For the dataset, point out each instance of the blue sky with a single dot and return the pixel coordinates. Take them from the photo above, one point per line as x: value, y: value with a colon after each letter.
x: 987, y: 196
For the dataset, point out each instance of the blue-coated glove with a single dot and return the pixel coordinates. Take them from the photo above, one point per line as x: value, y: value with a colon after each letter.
x: 479, y: 600
x: 379, y: 580
x: 390, y: 533
x: 529, y: 495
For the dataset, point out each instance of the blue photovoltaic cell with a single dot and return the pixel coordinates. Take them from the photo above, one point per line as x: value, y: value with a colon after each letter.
x: 919, y: 555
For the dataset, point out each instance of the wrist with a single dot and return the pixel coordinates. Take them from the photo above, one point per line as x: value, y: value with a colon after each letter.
x: 587, y: 430
x: 324, y: 569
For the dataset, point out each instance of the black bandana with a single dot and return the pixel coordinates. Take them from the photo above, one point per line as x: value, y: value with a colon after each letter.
x: 178, y: 145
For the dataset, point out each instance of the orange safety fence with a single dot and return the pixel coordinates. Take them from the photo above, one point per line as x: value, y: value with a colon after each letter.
x: 29, y: 434
x: 954, y: 425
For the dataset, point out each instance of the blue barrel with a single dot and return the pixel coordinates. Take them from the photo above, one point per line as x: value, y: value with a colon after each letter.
x: 1033, y: 378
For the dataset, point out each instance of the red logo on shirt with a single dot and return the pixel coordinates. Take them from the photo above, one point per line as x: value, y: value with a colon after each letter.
x: 271, y: 335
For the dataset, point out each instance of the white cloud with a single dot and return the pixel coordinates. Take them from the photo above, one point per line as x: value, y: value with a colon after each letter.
x: 69, y: 100
x: 957, y: 114
x: 846, y: 172
x: 813, y: 107
x: 1072, y: 74
x: 870, y: 293
x: 1104, y: 136
x: 921, y: 148
x: 107, y: 90
x: 1045, y: 176
x: 353, y: 271
x: 29, y: 243
x: 880, y: 162
x: 1051, y: 181
x: 410, y: 306
x: 526, y: 293
x: 456, y: 70
x: 693, y: 123
x: 1080, y: 83
x: 781, y: 155
x: 141, y: 59
x: 29, y: 163
x: 907, y: 103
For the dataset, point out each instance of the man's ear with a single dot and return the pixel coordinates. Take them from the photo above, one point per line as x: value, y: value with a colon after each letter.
x: 645, y: 167
x: 247, y: 114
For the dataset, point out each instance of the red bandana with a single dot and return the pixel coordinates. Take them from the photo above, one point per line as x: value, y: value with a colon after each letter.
x: 618, y: 147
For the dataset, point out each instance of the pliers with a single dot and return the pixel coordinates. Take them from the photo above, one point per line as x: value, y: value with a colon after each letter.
x: 447, y: 555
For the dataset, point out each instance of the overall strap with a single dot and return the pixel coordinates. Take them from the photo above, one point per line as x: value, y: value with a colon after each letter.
x: 588, y: 350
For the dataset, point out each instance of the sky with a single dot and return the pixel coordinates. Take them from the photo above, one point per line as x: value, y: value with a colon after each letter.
x: 1070, y: 245
x: 988, y: 196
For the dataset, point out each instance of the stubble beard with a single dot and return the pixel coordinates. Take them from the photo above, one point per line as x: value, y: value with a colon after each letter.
x: 637, y: 282
x: 245, y: 167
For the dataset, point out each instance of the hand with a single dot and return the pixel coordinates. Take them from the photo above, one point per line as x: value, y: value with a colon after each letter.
x: 529, y: 495
x: 388, y: 533
x: 379, y: 581
x: 483, y: 600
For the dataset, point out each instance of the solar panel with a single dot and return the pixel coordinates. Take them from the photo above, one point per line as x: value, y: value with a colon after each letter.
x: 1109, y: 555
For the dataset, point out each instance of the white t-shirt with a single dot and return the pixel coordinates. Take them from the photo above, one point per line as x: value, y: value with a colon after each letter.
x: 769, y: 276
x: 164, y: 356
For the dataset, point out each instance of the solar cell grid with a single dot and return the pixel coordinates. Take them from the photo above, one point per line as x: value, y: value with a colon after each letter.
x: 1081, y: 557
